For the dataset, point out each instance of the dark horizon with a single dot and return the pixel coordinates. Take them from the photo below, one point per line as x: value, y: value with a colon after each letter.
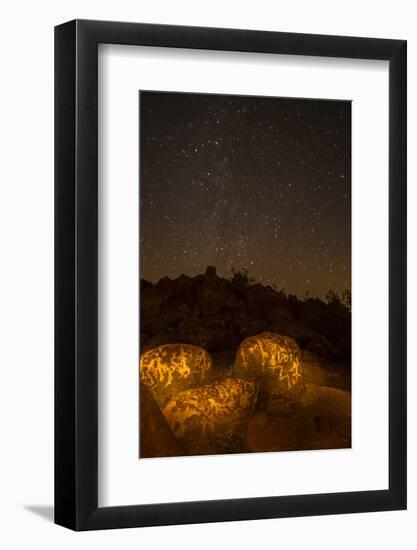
x: 237, y: 182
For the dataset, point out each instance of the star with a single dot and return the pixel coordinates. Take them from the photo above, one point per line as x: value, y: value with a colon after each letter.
x: 256, y: 183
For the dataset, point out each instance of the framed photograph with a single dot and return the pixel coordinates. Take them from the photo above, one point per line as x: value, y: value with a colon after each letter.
x: 230, y: 253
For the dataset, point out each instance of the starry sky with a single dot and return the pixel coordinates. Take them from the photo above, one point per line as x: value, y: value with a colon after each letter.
x: 246, y: 182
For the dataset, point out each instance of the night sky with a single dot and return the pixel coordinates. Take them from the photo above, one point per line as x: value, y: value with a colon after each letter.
x: 246, y: 182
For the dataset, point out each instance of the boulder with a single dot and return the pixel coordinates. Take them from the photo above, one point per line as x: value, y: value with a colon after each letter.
x: 185, y: 290
x: 322, y: 347
x: 272, y: 359
x: 330, y: 410
x: 156, y: 437
x: 319, y: 419
x: 151, y: 300
x: 216, y: 295
x: 260, y: 301
x: 175, y: 313
x: 168, y: 369
x: 332, y: 319
x: 280, y: 432
x: 212, y: 418
x: 318, y: 371
x: 309, y: 357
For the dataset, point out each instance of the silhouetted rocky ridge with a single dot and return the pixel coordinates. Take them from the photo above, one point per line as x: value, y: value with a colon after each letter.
x: 218, y: 313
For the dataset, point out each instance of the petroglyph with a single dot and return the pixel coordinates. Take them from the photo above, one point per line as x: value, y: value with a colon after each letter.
x: 171, y: 368
x: 203, y: 416
x: 273, y: 359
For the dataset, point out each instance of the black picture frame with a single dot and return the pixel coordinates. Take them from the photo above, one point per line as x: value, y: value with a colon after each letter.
x: 76, y: 271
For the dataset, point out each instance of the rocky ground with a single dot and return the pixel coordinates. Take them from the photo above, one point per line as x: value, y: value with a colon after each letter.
x: 217, y: 315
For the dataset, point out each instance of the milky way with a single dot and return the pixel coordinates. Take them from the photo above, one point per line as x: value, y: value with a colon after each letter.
x: 246, y: 182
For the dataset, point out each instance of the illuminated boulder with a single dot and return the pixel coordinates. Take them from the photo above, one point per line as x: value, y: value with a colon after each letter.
x: 156, y: 437
x: 274, y: 360
x: 208, y: 418
x: 323, y: 373
x: 330, y: 410
x: 319, y: 419
x: 171, y: 368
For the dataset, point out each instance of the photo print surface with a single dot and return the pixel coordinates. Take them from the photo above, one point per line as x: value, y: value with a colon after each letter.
x: 245, y: 274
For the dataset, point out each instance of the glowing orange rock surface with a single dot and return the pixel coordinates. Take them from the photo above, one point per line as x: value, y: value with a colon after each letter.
x: 201, y: 417
x: 156, y: 437
x: 171, y: 368
x: 274, y: 360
